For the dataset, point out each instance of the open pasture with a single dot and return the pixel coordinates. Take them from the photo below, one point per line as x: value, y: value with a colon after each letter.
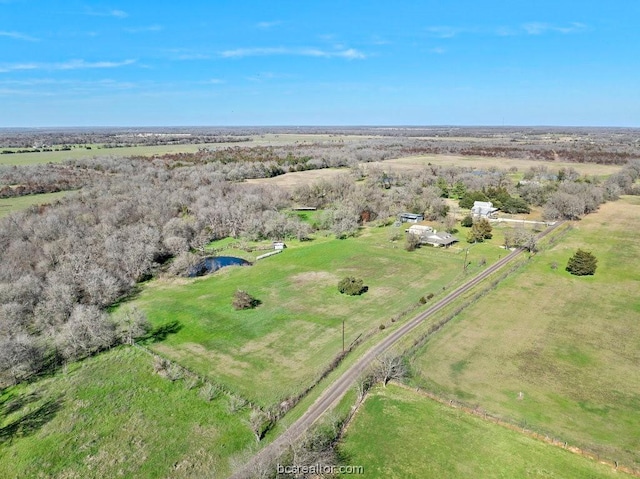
x: 280, y: 347
x: 398, y: 434
x: 112, y: 416
x: 9, y: 205
x: 81, y: 152
x: 415, y: 163
x: 555, y: 352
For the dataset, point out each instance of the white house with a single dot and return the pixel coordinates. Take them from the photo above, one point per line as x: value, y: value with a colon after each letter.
x: 439, y: 239
x: 483, y: 209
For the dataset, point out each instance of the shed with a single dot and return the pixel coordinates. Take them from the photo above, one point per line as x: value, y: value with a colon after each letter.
x: 419, y: 230
x: 279, y: 245
x: 411, y: 217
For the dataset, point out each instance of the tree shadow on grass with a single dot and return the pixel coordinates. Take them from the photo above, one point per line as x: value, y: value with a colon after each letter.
x: 160, y: 333
x: 30, y: 422
x: 11, y: 404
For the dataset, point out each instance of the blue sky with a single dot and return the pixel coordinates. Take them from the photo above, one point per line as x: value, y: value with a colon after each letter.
x: 219, y: 62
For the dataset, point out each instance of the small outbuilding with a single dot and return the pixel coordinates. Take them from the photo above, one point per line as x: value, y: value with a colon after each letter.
x: 279, y: 245
x: 419, y: 230
x: 411, y: 217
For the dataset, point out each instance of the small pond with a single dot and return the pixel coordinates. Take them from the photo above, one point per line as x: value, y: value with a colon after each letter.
x: 214, y: 263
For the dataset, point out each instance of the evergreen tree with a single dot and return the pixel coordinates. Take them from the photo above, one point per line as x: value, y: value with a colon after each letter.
x: 582, y: 263
x: 470, y: 197
x: 480, y: 231
x: 352, y: 286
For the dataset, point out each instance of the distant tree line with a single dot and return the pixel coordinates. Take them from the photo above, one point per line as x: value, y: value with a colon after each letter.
x: 62, y: 265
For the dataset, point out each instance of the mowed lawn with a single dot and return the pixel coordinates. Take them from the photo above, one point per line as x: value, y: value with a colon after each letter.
x: 555, y: 352
x: 400, y: 434
x: 280, y: 347
x: 112, y: 416
x: 9, y: 205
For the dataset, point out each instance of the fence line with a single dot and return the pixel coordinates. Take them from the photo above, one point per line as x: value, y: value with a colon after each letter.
x: 514, y: 426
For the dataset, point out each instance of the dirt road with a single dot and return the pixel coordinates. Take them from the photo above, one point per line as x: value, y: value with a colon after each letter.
x: 338, y: 388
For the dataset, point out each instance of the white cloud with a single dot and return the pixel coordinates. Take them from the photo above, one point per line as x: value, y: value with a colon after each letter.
x: 68, y: 65
x: 19, y: 36
x: 349, y: 53
x: 531, y: 28
x: 82, y: 64
x: 150, y: 28
x: 18, y: 67
x: 443, y: 31
x: 268, y: 25
x: 186, y: 54
x: 106, y: 13
x: 539, y: 28
x: 192, y: 56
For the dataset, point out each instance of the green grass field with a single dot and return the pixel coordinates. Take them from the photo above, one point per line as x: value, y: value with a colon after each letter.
x: 570, y: 345
x: 9, y: 205
x: 82, y: 153
x: 400, y: 434
x: 111, y: 416
x: 280, y: 347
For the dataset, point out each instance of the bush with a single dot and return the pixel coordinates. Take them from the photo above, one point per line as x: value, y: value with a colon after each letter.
x: 582, y: 263
x: 467, y: 221
x: 480, y: 231
x: 412, y: 242
x: 243, y: 300
x: 352, y: 286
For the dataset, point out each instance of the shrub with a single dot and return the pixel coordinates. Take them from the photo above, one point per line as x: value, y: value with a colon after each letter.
x: 351, y: 286
x: 480, y: 231
x: 412, y: 242
x: 467, y: 221
x: 582, y: 263
x: 422, y: 300
x: 209, y: 392
x: 243, y: 300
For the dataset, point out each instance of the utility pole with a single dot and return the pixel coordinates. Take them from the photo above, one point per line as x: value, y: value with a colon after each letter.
x: 466, y: 253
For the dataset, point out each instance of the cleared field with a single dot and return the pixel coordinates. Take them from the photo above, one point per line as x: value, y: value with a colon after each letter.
x: 81, y: 152
x: 399, y: 434
x: 111, y: 416
x: 9, y: 205
x: 281, y: 346
x: 413, y: 163
x: 555, y: 352
x: 290, y: 181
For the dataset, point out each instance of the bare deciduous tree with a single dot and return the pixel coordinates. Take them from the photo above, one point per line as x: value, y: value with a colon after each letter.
x: 390, y: 366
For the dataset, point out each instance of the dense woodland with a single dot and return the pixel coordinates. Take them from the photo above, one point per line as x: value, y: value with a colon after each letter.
x: 62, y: 265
